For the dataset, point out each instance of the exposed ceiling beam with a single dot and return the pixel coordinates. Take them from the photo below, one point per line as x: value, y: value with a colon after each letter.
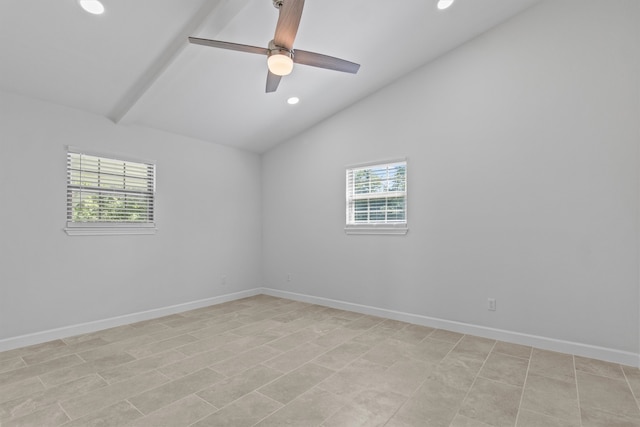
x: 225, y: 10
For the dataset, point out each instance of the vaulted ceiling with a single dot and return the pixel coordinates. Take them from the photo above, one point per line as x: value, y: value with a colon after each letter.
x: 134, y: 65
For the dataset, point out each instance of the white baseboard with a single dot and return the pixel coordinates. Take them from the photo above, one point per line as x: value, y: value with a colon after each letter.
x: 84, y: 328
x: 578, y: 349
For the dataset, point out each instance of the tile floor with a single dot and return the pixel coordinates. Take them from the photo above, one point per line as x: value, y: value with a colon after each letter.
x: 266, y: 361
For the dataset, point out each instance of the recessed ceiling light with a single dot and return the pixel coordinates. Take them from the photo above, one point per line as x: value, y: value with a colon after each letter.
x: 92, y: 6
x: 293, y: 100
x: 443, y: 4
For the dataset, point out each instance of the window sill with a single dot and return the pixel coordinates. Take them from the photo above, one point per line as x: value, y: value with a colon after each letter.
x: 109, y: 231
x: 373, y: 229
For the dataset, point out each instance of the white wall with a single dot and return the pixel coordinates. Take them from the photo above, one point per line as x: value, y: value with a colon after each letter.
x: 208, y: 215
x: 523, y: 184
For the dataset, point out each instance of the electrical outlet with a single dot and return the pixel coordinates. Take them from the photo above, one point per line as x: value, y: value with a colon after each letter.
x: 491, y: 304
x: 223, y: 280
x: 288, y: 277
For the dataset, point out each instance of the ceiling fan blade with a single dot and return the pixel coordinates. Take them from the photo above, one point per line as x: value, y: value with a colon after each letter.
x: 288, y: 22
x: 273, y: 81
x: 323, y: 61
x: 230, y: 46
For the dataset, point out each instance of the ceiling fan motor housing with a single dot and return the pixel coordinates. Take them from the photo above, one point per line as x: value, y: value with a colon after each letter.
x: 277, y: 3
x: 279, y: 50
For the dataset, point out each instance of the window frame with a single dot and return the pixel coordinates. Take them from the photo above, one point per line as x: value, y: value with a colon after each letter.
x: 76, y: 228
x: 394, y: 228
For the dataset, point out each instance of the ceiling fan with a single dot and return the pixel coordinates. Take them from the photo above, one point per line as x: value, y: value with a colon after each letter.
x: 280, y: 53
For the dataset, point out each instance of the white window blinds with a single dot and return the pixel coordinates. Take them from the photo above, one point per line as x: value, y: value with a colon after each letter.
x: 377, y: 197
x: 108, y: 192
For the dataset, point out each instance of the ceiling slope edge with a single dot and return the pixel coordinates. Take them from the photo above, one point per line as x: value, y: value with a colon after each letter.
x: 225, y: 11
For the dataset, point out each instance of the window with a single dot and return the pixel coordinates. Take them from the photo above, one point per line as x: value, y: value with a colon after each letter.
x: 109, y: 195
x: 377, y: 198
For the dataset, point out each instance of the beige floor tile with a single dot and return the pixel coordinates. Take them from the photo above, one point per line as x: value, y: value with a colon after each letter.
x: 378, y: 405
x: 71, y: 373
x: 456, y: 373
x: 336, y: 337
x: 192, y: 364
x: 207, y: 344
x: 120, y: 414
x: 52, y: 415
x: 252, y: 341
x: 552, y: 397
x: 146, y: 350
x: 294, y: 325
x: 505, y: 369
x: 448, y: 336
x: 471, y: 348
x: 32, y: 349
x: 243, y: 361
x: 434, y: 404
x: 26, y: 405
x: 184, y: 412
x: 179, y: 321
x: 296, y: 357
x: 373, y: 336
x: 115, y: 347
x: 353, y: 380
x: 289, y: 316
x: 412, y: 334
x: 392, y: 325
x: 599, y: 367
x: 325, y: 326
x: 552, y: 364
x: 399, y: 420
x: 342, y: 388
x: 215, y: 329
x: 492, y: 403
x: 404, y: 376
x: 140, y: 366
x: 387, y: 352
x: 515, y: 350
x: 58, y: 352
x: 165, y: 334
x: 309, y: 409
x: 351, y: 416
x: 534, y: 419
x: 11, y: 364
x: 341, y: 355
x: 633, y: 377
x: 256, y: 328
x: 294, y: 340
x: 229, y: 389
x: 363, y: 323
x: 326, y: 366
x: 606, y: 394
x: 293, y: 384
x: 343, y: 314
x: 21, y: 388
x: 155, y: 398
x: 430, y: 350
x: 462, y: 421
x: 596, y: 418
x: 117, y: 333
x: 244, y: 412
x: 92, y: 401
x: 41, y: 368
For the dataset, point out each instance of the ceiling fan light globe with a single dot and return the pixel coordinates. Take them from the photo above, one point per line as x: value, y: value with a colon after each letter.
x: 444, y: 4
x: 92, y: 6
x: 279, y: 64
